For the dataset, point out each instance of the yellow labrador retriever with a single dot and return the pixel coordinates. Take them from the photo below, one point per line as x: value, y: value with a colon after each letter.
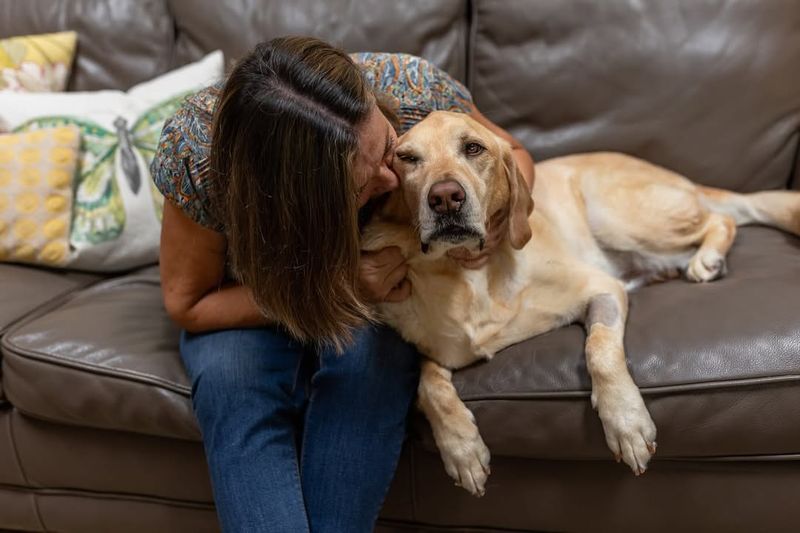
x: 604, y: 223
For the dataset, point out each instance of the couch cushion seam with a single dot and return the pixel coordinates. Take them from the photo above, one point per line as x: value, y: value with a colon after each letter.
x: 22, y: 472
x: 83, y: 424
x: 646, y: 391
x: 43, y: 491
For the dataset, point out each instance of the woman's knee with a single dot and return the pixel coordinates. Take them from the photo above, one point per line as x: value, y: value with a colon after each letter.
x: 224, y: 366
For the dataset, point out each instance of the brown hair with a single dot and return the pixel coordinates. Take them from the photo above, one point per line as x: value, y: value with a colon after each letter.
x: 283, y: 147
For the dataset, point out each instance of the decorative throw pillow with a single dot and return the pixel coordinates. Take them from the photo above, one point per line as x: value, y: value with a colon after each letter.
x: 116, y: 212
x: 37, y: 63
x: 36, y: 175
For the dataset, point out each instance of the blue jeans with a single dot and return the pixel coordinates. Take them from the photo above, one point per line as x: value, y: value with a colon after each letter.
x: 296, y: 439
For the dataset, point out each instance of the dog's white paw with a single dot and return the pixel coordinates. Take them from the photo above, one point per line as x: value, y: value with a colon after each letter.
x: 465, y: 456
x: 467, y: 462
x: 630, y: 432
x: 705, y: 266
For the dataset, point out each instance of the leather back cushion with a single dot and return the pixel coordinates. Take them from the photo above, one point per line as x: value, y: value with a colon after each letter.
x: 120, y: 43
x: 124, y: 42
x: 434, y: 30
x: 709, y: 88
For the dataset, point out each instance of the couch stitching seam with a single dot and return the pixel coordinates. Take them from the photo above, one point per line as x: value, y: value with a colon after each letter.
x: 646, y: 391
x: 141, y: 378
x: 472, y: 32
x: 115, y: 496
x: 22, y: 471
x: 794, y: 172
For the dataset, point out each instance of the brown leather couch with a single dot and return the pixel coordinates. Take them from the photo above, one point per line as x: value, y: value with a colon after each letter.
x: 96, y: 427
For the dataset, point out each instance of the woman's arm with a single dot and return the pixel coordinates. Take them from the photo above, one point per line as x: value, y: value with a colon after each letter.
x: 192, y: 267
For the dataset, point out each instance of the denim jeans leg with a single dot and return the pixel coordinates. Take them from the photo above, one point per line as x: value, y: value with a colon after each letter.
x: 354, y: 429
x: 248, y: 393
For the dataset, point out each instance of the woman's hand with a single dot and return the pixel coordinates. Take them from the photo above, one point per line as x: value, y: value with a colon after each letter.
x: 382, y: 276
x: 496, y: 230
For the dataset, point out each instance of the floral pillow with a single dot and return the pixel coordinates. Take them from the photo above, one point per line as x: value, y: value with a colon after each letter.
x: 37, y: 63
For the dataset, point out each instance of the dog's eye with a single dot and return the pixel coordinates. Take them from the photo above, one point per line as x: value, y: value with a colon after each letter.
x: 407, y: 158
x: 473, y: 149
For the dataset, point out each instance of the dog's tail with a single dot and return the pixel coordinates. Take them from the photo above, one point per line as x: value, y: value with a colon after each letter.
x: 780, y: 209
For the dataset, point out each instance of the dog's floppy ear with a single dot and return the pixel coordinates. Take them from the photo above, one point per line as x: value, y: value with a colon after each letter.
x: 520, y: 202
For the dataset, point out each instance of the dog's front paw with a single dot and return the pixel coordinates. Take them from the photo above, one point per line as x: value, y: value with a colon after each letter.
x: 705, y: 266
x: 467, y: 462
x: 630, y: 432
x: 465, y: 456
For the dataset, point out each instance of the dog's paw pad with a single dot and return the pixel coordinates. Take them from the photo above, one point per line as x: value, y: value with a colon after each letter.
x: 630, y: 433
x: 467, y: 462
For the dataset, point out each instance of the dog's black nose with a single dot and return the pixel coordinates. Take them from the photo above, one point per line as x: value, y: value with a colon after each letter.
x: 446, y: 196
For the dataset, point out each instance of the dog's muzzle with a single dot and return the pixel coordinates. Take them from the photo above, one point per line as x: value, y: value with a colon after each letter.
x: 449, y: 217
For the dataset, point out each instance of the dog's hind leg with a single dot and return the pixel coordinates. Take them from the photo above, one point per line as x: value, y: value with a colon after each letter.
x: 629, y: 430
x: 708, y: 263
x: 465, y: 456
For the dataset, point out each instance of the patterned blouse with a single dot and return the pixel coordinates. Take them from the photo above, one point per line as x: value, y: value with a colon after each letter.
x: 415, y: 87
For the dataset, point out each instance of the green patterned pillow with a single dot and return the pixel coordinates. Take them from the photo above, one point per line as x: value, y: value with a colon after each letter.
x: 116, y: 214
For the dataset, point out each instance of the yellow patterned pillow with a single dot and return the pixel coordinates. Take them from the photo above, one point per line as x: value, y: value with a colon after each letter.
x: 36, y: 177
x: 36, y: 63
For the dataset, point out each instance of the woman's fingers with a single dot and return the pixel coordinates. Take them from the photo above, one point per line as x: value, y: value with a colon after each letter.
x: 388, y: 257
x: 399, y: 293
x: 382, y: 273
x: 395, y: 276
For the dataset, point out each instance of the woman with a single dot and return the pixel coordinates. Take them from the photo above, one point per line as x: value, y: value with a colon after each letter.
x: 301, y: 398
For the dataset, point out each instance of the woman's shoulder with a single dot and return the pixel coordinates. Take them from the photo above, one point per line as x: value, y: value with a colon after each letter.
x: 415, y: 85
x: 387, y: 70
x: 179, y: 168
x: 205, y: 100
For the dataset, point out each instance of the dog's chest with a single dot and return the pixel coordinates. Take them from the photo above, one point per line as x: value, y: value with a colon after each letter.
x: 448, y: 317
x: 459, y: 316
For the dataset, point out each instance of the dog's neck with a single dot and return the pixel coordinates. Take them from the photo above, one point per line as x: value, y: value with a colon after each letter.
x: 395, y: 210
x: 388, y: 223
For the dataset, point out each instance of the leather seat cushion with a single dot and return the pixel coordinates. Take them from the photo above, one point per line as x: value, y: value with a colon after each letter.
x: 23, y: 289
x: 106, y: 358
x: 718, y: 365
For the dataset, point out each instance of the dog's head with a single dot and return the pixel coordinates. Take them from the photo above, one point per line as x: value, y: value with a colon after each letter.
x: 455, y: 174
